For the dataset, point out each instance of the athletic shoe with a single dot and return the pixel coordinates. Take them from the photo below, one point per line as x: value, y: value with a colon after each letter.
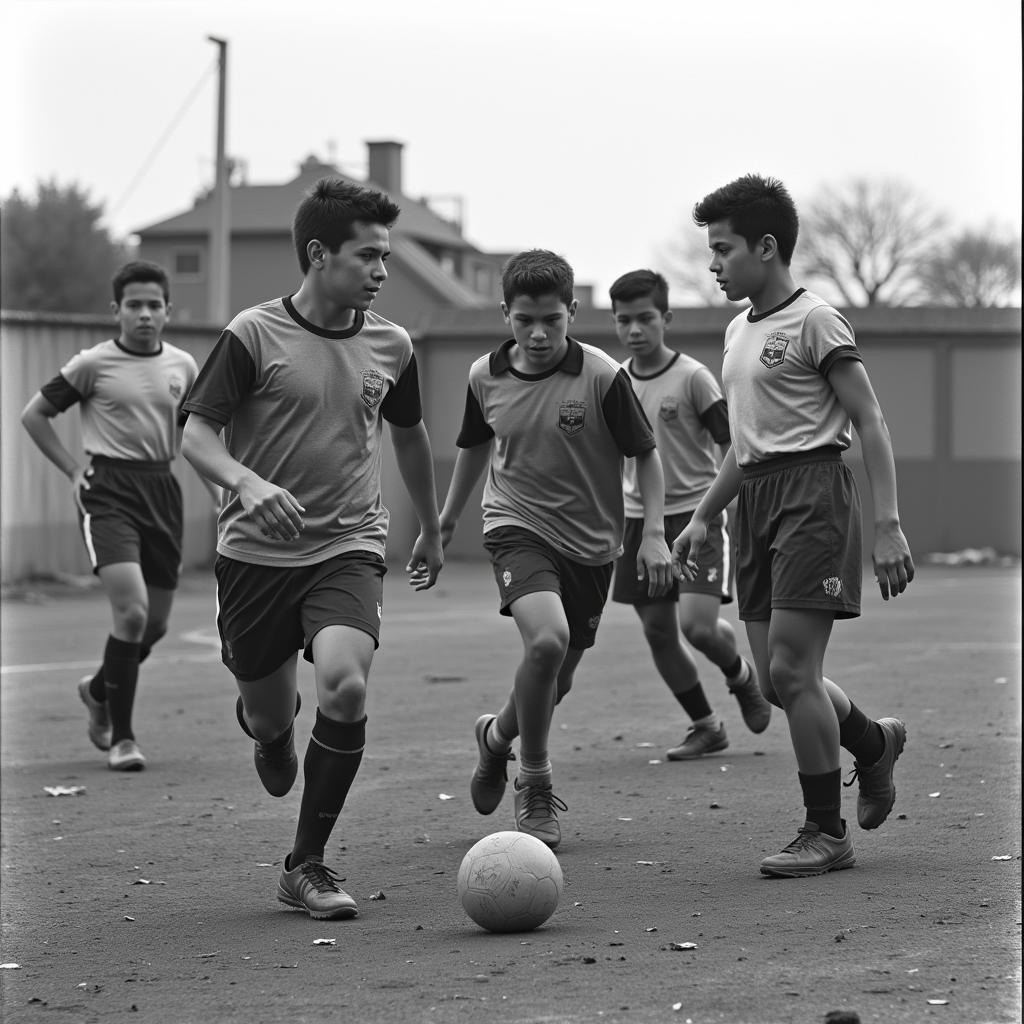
x: 813, y: 852
x: 99, y: 719
x: 487, y: 786
x: 535, y: 813
x: 313, y: 887
x: 125, y: 756
x: 877, y: 789
x: 276, y: 763
x: 698, y: 742
x: 756, y: 711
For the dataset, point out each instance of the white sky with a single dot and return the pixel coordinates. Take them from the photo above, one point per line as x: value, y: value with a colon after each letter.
x: 585, y: 126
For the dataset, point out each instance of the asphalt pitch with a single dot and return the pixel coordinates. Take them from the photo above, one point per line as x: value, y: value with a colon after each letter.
x: 149, y: 897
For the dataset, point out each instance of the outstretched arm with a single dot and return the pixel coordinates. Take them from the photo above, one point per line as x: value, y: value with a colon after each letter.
x: 416, y: 466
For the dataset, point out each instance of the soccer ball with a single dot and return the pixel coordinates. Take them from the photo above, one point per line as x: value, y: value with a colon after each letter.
x: 510, y: 882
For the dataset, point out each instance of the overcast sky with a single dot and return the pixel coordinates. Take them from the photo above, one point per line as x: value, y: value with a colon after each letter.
x: 585, y: 126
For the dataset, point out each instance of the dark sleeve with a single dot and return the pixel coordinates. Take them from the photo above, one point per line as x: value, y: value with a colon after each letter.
x: 225, y: 379
x: 716, y: 421
x: 833, y: 357
x: 59, y: 393
x: 475, y: 429
x: 626, y: 418
x: 401, y: 405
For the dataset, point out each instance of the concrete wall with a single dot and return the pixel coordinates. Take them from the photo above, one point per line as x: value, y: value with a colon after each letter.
x: 949, y: 382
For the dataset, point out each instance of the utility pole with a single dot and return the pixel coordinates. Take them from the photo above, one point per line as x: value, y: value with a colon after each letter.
x: 220, y: 227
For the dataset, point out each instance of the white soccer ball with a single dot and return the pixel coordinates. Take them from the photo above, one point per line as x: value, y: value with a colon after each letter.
x: 510, y: 882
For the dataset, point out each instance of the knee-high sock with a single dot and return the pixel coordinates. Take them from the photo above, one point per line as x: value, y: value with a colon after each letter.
x: 120, y: 676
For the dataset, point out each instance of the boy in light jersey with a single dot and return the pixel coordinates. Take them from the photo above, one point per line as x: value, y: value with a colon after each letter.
x: 551, y: 420
x: 684, y: 404
x: 301, y: 387
x: 130, y: 391
x: 794, y: 381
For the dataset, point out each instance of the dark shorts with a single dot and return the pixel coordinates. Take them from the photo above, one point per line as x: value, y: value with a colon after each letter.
x: 524, y: 563
x: 714, y: 561
x: 133, y: 513
x: 266, y: 613
x: 798, y: 532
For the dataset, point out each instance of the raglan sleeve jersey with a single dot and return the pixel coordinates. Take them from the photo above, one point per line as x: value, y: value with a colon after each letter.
x: 775, y: 373
x: 560, y: 439
x: 303, y: 407
x: 129, y: 401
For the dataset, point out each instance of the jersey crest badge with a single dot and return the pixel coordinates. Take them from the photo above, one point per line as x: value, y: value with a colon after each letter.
x: 373, y: 387
x: 572, y: 415
x: 774, y: 351
x: 176, y: 386
x: 669, y: 408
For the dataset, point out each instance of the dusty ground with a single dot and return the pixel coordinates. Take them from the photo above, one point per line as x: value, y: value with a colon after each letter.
x: 150, y: 898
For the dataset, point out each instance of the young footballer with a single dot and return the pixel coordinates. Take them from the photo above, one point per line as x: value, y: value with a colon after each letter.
x: 684, y: 404
x: 130, y: 391
x: 301, y: 387
x: 551, y: 420
x: 795, y: 382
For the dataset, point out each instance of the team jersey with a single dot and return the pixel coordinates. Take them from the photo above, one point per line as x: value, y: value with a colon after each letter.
x: 302, y: 407
x: 560, y: 438
x: 775, y: 371
x: 684, y: 404
x: 130, y: 401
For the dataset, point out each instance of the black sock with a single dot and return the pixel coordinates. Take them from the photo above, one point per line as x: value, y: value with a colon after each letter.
x: 861, y: 736
x: 823, y: 800
x: 694, y: 702
x: 332, y: 761
x: 97, y: 685
x: 734, y: 668
x: 121, y: 676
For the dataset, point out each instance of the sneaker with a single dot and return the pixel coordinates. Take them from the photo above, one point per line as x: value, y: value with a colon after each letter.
x: 277, y: 764
x: 99, y: 720
x: 487, y: 786
x: 313, y: 887
x: 877, y: 789
x: 756, y: 711
x: 535, y: 813
x: 698, y: 742
x: 813, y: 852
x: 125, y: 756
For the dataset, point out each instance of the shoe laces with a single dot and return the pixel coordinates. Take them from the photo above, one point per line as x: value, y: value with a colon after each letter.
x: 804, y: 838
x: 320, y: 876
x: 542, y: 800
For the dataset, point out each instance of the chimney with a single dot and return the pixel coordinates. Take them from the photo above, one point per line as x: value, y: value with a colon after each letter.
x: 385, y: 165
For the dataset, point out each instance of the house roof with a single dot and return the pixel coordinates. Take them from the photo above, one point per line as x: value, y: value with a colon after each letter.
x: 269, y: 209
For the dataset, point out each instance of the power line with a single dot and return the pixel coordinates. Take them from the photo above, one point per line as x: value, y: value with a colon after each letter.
x: 147, y: 163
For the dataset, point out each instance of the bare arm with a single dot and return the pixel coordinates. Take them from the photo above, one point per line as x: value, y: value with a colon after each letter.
x: 653, y: 559
x: 724, y: 490
x: 469, y: 465
x: 894, y: 566
x: 36, y: 418
x: 416, y: 466
x: 277, y: 513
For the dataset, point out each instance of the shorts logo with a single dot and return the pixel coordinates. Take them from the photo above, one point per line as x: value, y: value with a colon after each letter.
x: 572, y: 416
x: 380, y: 612
x: 176, y: 386
x: 373, y: 387
x: 594, y: 621
x: 506, y: 578
x: 712, y: 575
x: 669, y: 409
x: 774, y: 351
x: 833, y: 586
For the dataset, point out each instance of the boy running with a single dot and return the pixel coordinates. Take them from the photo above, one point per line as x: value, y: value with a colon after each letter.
x: 300, y: 387
x: 794, y: 381
x: 551, y: 419
x: 129, y: 390
x: 683, y: 402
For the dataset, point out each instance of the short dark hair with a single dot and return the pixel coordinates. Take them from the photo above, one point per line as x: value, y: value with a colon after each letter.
x: 329, y: 211
x: 754, y: 206
x: 639, y: 284
x: 537, y: 272
x: 141, y: 272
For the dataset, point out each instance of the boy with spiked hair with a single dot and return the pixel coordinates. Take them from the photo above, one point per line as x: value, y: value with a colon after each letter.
x: 795, y: 382
x: 551, y: 420
x: 301, y: 387
x: 684, y: 403
x: 130, y: 391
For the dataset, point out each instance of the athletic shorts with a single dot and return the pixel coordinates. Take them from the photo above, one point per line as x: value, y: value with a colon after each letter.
x: 524, y: 563
x: 798, y: 533
x: 714, y: 561
x: 266, y: 613
x: 133, y: 513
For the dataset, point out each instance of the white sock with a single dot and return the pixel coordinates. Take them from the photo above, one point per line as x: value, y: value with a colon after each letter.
x: 495, y: 740
x: 707, y: 722
x: 534, y: 772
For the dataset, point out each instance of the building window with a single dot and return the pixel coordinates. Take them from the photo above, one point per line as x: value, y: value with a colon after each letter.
x: 188, y: 264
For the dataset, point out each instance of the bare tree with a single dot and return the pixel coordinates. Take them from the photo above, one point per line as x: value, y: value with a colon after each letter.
x: 685, y: 261
x: 976, y: 268
x: 869, y: 241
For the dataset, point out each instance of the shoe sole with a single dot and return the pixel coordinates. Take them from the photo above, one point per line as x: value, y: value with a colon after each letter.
x: 127, y: 766
x: 338, y: 914
x: 901, y: 736
x: 97, y: 743
x: 277, y: 791
x: 485, y: 808
x: 847, y: 860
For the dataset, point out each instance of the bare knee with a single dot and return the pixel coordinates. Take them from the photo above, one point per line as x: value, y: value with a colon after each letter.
x: 660, y: 635
x: 700, y: 635
x: 130, y: 618
x: 155, y: 631
x: 342, y: 695
x: 789, y: 679
x: 545, y: 651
